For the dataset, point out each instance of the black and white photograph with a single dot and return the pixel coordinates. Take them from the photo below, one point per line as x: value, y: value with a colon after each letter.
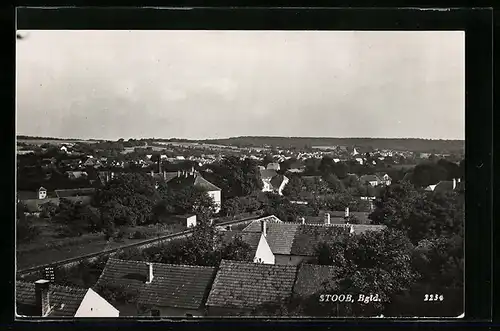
x: 240, y: 173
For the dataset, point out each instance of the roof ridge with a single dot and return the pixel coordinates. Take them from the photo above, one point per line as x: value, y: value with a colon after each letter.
x: 161, y: 264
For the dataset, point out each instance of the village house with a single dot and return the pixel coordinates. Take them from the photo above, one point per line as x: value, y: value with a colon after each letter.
x: 45, y: 299
x: 272, y: 181
x: 446, y: 186
x: 273, y: 166
x: 246, y: 288
x: 295, y: 243
x: 160, y: 289
x: 261, y: 251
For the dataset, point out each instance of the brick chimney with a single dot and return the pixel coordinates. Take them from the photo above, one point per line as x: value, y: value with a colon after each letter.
x: 150, y: 273
x: 346, y: 211
x: 263, y: 227
x: 327, y: 218
x: 42, y: 297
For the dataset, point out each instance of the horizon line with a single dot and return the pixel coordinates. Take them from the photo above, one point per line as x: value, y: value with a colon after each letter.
x: 235, y: 137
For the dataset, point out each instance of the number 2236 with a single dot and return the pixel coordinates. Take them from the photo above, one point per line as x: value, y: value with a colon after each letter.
x: 433, y: 297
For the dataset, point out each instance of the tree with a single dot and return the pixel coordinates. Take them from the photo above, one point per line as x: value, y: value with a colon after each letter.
x: 25, y: 230
x: 237, y: 177
x: 294, y: 187
x: 334, y: 184
x: 48, y: 210
x: 452, y: 169
x: 237, y: 250
x: 238, y: 205
x: 369, y: 263
x: 326, y: 165
x: 127, y: 199
x: 425, y: 174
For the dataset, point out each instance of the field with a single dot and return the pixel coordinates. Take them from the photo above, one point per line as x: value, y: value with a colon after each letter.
x: 53, y: 142
x: 47, y: 248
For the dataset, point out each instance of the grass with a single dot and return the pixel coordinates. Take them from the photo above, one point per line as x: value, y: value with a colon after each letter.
x: 47, y: 248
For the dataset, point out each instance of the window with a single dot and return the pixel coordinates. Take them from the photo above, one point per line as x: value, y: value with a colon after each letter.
x: 155, y: 312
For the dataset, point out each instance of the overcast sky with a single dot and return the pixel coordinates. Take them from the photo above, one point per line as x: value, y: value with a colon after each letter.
x: 212, y: 84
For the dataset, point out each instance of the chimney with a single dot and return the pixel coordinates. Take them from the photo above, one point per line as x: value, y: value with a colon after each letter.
x: 164, y: 175
x: 42, y: 297
x: 178, y: 173
x: 150, y: 275
x: 186, y: 174
x: 327, y: 218
x: 303, y: 220
x: 346, y: 211
x: 263, y: 228
x: 454, y: 183
x: 152, y: 173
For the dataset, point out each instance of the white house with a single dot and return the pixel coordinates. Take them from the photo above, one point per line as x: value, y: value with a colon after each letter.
x: 93, y: 305
x: 45, y: 299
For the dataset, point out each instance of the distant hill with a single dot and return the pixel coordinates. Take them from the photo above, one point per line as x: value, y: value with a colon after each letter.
x: 402, y: 144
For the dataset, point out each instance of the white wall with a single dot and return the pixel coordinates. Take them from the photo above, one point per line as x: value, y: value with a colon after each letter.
x: 191, y: 221
x: 264, y: 252
x: 216, y: 196
x: 266, y: 187
x: 93, y: 305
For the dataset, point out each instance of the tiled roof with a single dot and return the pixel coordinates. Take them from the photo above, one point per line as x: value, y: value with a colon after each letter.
x: 369, y: 178
x: 321, y: 220
x: 267, y: 173
x: 301, y: 239
x: 277, y: 180
x: 172, y: 286
x: 361, y: 228
x: 251, y: 238
x: 444, y: 186
x: 308, y: 237
x: 248, y: 285
x: 65, y: 300
x: 279, y: 235
x: 312, y: 278
x: 74, y: 192
x: 192, y: 180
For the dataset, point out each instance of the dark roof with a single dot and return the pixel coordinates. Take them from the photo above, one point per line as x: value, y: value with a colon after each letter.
x: 369, y: 178
x: 251, y: 238
x: 267, y: 173
x: 362, y: 216
x: 172, y: 286
x: 444, y: 186
x: 361, y: 228
x: 33, y: 195
x: 64, y: 299
x: 308, y: 237
x: 312, y: 278
x: 277, y: 180
x: 278, y: 235
x: 321, y: 220
x: 74, y: 192
x: 195, y: 180
x: 301, y: 239
x: 248, y: 285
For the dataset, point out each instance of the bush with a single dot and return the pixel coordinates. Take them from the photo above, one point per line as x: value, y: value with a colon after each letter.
x: 25, y: 230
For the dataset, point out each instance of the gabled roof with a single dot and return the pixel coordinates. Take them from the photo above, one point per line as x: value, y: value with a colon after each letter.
x: 277, y: 180
x: 307, y: 237
x: 181, y: 286
x: 312, y: 278
x: 267, y: 173
x: 248, y: 285
x: 65, y: 300
x: 195, y: 180
x: 278, y: 235
x: 302, y: 239
x: 369, y: 178
x: 444, y: 186
x: 75, y: 192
